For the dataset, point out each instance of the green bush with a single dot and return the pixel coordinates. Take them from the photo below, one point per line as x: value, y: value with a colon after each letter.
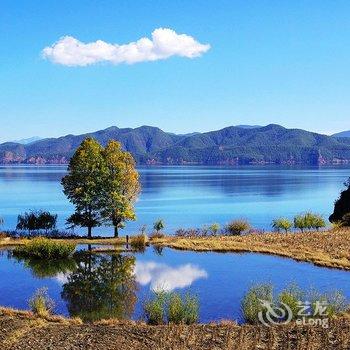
x: 237, y: 227
x: 159, y: 225
x: 299, y: 222
x: 154, y: 308
x: 44, y: 248
x: 214, y: 228
x: 294, y: 299
x: 166, y: 307
x: 309, y: 221
x: 182, y: 310
x: 291, y: 297
x: 251, y: 304
x: 317, y: 221
x: 282, y: 224
x: 41, y: 304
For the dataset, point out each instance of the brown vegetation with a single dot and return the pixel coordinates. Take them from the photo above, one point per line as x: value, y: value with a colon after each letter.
x: 23, y: 330
x: 329, y: 248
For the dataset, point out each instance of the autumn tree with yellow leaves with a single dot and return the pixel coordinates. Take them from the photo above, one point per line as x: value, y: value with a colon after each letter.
x: 103, y: 185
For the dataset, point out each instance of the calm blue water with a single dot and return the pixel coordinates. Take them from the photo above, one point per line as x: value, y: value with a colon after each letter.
x: 219, y: 280
x: 187, y: 196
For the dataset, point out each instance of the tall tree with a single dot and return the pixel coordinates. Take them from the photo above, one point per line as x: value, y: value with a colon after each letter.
x: 342, y: 205
x: 83, y: 185
x: 121, y: 187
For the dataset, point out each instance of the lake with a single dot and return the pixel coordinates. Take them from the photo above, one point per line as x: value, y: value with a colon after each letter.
x: 96, y: 286
x: 187, y: 196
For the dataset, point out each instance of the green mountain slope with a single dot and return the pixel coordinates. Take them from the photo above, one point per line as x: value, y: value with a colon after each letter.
x: 231, y: 145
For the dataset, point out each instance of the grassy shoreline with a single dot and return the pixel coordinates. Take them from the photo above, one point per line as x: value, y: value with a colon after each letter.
x: 325, y: 248
x: 23, y: 330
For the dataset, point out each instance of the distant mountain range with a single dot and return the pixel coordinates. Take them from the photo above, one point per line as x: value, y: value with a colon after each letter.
x: 228, y: 146
x: 28, y: 141
x: 342, y: 134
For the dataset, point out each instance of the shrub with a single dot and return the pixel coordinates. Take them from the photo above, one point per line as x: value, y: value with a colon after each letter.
x: 166, y: 307
x: 282, y: 224
x: 214, y: 228
x: 334, y: 302
x: 237, y: 227
x: 291, y: 297
x: 191, y: 309
x: 309, y: 303
x: 251, y: 304
x: 299, y: 222
x: 309, y: 221
x: 190, y: 232
x: 41, y: 304
x: 154, y: 308
x: 159, y: 225
x: 43, y: 248
x: 317, y: 221
x: 139, y: 242
x: 182, y: 310
x: 336, y: 225
x: 36, y: 220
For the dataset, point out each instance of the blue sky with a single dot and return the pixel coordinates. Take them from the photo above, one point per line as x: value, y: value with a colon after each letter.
x: 284, y: 62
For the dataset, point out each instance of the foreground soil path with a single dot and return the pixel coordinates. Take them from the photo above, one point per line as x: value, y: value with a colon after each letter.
x: 23, y: 331
x: 327, y: 248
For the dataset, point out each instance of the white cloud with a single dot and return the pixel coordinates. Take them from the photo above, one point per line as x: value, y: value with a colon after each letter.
x: 164, y: 277
x: 165, y: 43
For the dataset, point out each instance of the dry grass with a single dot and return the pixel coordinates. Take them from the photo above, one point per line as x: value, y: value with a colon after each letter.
x: 22, y: 331
x: 330, y: 248
x: 29, y: 315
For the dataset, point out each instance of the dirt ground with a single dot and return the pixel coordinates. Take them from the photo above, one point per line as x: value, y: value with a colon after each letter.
x: 23, y: 331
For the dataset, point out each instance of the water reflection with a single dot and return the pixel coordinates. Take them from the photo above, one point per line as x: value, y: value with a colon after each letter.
x: 49, y: 268
x: 101, y: 287
x: 164, y: 277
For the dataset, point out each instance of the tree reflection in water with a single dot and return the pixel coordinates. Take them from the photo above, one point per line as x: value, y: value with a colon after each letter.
x: 48, y: 268
x: 102, y: 287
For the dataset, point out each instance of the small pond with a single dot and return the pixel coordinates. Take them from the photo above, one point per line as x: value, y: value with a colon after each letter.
x: 95, y: 286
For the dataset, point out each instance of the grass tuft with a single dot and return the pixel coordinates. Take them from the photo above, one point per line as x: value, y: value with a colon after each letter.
x: 139, y: 242
x: 44, y: 248
x: 41, y: 304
